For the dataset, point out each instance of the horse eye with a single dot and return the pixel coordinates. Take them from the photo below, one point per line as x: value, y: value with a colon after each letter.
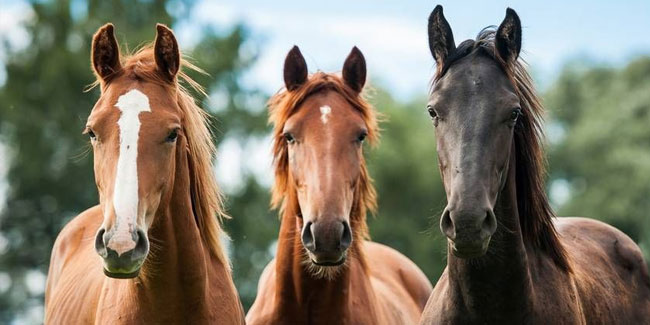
x: 514, y: 115
x: 362, y: 136
x: 91, y: 134
x: 289, y: 137
x: 432, y: 112
x: 172, y: 136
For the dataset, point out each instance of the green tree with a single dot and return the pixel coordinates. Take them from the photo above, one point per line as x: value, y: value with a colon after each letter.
x: 601, y: 150
x: 43, y: 109
x: 411, y: 197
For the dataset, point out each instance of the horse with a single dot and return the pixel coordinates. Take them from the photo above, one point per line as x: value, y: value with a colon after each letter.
x: 326, y: 271
x: 156, y: 230
x: 510, y: 260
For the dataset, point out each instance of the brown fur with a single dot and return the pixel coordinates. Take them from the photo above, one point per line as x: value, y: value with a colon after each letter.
x: 206, y: 196
x: 186, y: 276
x: 284, y: 104
x: 376, y: 285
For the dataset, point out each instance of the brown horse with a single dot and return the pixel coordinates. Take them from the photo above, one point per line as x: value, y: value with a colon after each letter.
x: 509, y: 260
x: 325, y: 271
x: 153, y: 168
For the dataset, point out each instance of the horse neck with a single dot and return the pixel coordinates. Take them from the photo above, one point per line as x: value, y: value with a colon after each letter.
x: 304, y: 298
x: 180, y: 268
x: 500, y: 279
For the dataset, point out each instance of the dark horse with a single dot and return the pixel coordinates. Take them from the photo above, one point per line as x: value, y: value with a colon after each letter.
x: 509, y: 260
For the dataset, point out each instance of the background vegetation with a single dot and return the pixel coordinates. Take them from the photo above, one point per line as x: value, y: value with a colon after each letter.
x: 599, y: 149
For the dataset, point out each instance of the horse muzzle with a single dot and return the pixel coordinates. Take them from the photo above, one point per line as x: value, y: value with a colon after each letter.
x: 327, y: 242
x: 468, y: 231
x: 123, y: 254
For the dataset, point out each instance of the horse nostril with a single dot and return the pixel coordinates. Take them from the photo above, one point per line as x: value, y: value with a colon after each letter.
x: 489, y: 223
x: 100, y: 246
x: 308, y: 237
x: 142, y: 244
x: 346, y: 237
x: 447, y: 225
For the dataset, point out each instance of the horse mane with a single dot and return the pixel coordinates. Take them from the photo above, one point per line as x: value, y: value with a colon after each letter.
x: 535, y: 212
x: 206, y: 197
x: 284, y: 104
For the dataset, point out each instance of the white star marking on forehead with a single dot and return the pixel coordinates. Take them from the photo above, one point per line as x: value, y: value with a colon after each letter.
x: 325, y: 111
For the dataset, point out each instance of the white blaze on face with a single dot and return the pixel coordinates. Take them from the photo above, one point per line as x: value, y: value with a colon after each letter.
x: 325, y: 111
x: 125, y: 193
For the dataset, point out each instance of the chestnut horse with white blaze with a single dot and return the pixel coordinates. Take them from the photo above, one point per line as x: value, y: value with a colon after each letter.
x: 510, y: 261
x: 325, y: 271
x: 150, y: 252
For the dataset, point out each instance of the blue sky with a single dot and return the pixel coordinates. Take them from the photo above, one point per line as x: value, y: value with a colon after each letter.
x: 393, y: 36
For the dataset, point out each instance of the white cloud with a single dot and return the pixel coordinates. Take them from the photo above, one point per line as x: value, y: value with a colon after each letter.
x: 397, y: 57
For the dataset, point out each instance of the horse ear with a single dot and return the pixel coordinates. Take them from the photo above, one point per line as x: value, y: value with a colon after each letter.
x: 508, y: 37
x: 295, y: 69
x: 105, y: 54
x: 354, y: 70
x: 166, y: 52
x: 441, y: 39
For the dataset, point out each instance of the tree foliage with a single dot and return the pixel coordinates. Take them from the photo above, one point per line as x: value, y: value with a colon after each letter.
x: 411, y: 198
x: 601, y: 117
